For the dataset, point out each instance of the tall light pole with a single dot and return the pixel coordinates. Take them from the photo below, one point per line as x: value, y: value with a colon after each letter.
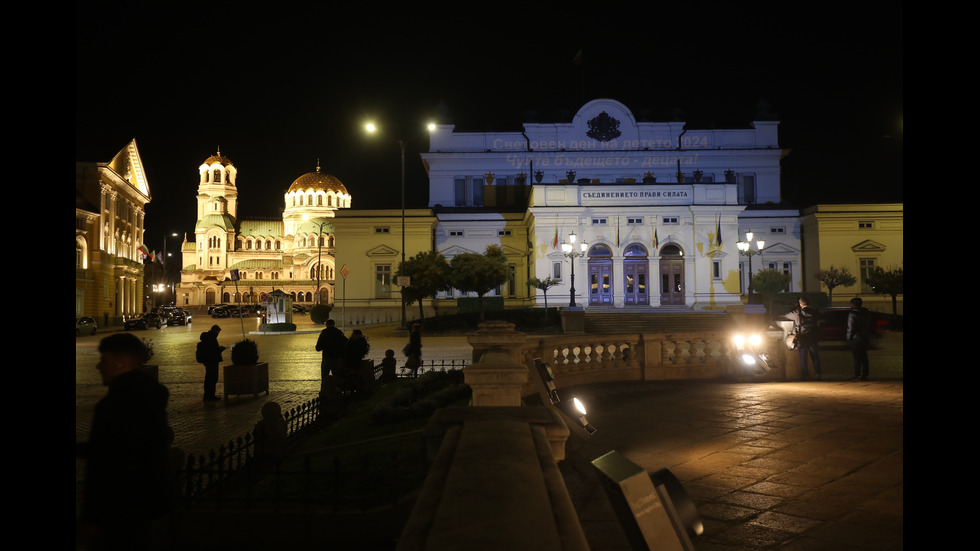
x: 569, y: 249
x: 745, y: 249
x: 371, y: 128
x: 166, y: 253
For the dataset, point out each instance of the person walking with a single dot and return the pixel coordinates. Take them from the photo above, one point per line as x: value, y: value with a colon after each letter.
x: 859, y: 337
x: 805, y: 321
x: 413, y: 350
x: 332, y: 344
x: 128, y: 481
x: 209, y: 354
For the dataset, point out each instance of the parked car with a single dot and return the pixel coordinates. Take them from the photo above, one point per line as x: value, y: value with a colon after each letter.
x: 832, y: 323
x: 144, y: 321
x: 178, y: 317
x: 86, y: 325
x: 222, y: 311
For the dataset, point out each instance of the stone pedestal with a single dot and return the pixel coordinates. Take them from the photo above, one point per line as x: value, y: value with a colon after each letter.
x: 573, y: 320
x: 496, y: 379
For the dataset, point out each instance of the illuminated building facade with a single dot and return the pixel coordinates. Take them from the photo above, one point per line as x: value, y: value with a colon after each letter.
x: 294, y: 254
x: 661, y: 207
x: 110, y: 201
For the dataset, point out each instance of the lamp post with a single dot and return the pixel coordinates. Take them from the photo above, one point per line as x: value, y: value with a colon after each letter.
x: 371, y: 128
x: 745, y: 249
x: 166, y: 279
x: 319, y: 254
x: 569, y: 249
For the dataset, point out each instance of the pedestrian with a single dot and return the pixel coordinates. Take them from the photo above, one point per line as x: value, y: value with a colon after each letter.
x: 805, y: 320
x: 388, y: 365
x: 128, y: 481
x: 209, y: 354
x: 357, y: 349
x: 332, y: 344
x: 859, y: 337
x: 413, y: 350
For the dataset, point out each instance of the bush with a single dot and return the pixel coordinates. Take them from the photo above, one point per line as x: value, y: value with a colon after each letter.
x: 245, y: 352
x: 422, y: 396
x: 319, y: 314
x: 277, y: 327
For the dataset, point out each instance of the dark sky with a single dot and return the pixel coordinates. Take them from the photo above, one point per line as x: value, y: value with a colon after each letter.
x: 279, y: 90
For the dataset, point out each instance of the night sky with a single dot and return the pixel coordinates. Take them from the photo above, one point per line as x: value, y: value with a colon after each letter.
x: 278, y: 91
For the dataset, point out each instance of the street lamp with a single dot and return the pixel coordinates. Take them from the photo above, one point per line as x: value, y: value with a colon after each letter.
x: 568, y: 248
x: 371, y: 128
x: 166, y: 279
x: 745, y: 249
x: 319, y: 254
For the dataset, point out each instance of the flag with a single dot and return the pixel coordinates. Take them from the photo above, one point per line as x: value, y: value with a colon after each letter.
x: 656, y: 240
x: 144, y: 251
x: 718, y: 233
x: 554, y: 242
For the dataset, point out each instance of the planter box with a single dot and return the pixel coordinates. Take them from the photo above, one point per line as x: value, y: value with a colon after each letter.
x: 246, y: 379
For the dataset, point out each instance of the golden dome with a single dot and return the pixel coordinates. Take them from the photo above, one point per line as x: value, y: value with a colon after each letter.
x: 318, y: 181
x: 218, y: 158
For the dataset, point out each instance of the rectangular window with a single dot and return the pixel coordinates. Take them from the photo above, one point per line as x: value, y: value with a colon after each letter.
x: 746, y: 189
x: 503, y: 233
x: 634, y: 221
x: 477, y: 192
x: 455, y: 233
x: 556, y: 270
x: 867, y: 268
x: 598, y: 221
x: 459, y: 185
x: 512, y: 280
x: 716, y: 269
x: 670, y: 220
x: 382, y: 229
x: 382, y: 281
x: 866, y: 225
x: 777, y: 230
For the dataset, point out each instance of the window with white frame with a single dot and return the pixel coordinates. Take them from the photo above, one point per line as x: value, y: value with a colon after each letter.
x: 634, y: 220
x: 382, y: 281
x: 777, y: 230
x: 867, y: 267
x: 599, y: 221
x: 716, y: 269
x: 503, y: 233
x: 670, y: 220
x: 455, y: 233
x: 556, y: 270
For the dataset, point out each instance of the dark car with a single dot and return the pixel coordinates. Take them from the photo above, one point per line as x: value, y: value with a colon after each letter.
x: 832, y: 324
x: 221, y: 311
x: 177, y: 317
x: 144, y: 321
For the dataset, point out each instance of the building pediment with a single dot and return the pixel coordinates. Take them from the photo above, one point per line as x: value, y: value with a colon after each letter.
x: 780, y: 248
x: 128, y: 166
x: 456, y: 250
x: 381, y: 250
x: 868, y: 246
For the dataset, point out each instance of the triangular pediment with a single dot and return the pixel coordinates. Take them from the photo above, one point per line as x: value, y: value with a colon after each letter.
x: 868, y: 246
x: 456, y: 250
x: 780, y: 248
x: 128, y: 165
x: 382, y: 250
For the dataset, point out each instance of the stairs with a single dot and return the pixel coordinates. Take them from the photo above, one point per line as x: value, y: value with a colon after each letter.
x: 678, y: 321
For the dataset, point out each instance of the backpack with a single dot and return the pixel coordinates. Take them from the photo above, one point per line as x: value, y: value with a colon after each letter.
x: 199, y: 355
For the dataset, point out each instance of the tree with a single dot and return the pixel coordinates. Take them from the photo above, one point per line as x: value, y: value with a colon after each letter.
x: 887, y: 282
x: 836, y: 277
x: 429, y: 273
x: 770, y: 282
x: 543, y: 285
x: 478, y: 273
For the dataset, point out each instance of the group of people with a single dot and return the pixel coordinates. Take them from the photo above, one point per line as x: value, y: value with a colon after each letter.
x: 342, y: 357
x: 807, y: 337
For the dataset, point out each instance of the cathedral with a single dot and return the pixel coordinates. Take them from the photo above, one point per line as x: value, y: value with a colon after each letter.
x: 294, y: 255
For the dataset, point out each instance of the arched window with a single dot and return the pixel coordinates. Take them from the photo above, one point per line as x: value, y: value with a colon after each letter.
x: 600, y: 250
x: 635, y: 249
x: 217, y: 176
x: 319, y: 200
x: 671, y: 250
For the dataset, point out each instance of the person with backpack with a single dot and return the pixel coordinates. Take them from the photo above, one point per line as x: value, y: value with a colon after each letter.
x: 858, y: 337
x: 209, y: 354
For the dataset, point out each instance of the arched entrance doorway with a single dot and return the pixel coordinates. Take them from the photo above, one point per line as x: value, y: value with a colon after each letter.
x: 635, y: 263
x: 671, y: 275
x: 600, y: 275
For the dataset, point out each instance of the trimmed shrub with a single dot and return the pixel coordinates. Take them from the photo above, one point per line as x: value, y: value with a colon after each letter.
x: 319, y: 314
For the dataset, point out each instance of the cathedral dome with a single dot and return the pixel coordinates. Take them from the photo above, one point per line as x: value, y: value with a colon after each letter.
x: 219, y: 159
x: 318, y: 181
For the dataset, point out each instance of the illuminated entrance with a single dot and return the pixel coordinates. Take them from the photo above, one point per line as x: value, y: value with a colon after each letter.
x: 671, y: 275
x: 635, y: 275
x: 600, y: 275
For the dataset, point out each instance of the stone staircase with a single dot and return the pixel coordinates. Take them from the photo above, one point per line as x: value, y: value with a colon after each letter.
x: 680, y: 321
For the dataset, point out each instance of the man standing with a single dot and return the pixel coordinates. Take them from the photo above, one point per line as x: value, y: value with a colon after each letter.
x: 332, y: 343
x: 209, y: 354
x: 805, y: 327
x: 127, y: 483
x: 858, y: 337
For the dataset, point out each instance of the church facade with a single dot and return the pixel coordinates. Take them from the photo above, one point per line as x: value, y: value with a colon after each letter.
x: 659, y: 207
x: 294, y: 254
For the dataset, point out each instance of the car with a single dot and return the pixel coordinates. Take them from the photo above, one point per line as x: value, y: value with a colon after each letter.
x: 221, y: 312
x: 178, y: 317
x: 143, y: 321
x: 85, y: 325
x: 832, y: 323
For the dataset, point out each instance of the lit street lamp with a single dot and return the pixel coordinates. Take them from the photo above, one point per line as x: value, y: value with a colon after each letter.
x: 319, y: 254
x: 371, y: 128
x: 745, y: 249
x: 568, y: 248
